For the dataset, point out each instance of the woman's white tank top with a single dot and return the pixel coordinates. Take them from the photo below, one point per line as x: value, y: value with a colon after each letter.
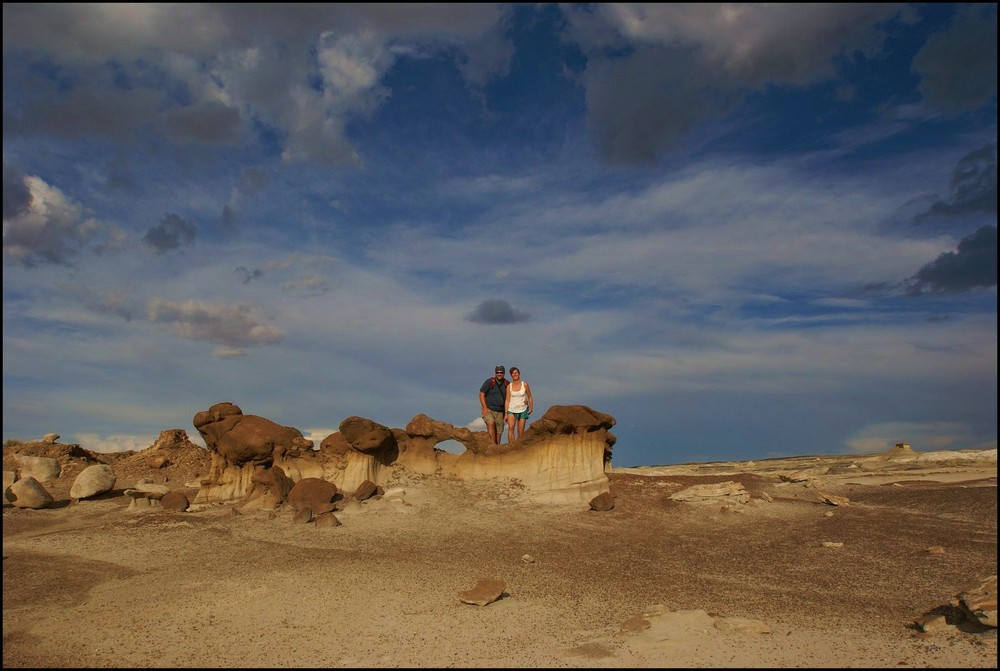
x: 518, y: 398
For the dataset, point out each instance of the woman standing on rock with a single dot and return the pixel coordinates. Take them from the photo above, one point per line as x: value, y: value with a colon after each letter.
x: 518, y: 405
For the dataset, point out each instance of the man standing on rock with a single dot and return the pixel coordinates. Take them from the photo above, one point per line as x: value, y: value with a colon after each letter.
x: 492, y: 397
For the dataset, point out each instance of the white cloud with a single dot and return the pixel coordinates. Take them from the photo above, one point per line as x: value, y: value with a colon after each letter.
x: 51, y: 230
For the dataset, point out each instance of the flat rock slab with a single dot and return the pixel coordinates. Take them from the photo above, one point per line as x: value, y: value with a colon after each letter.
x: 486, y: 591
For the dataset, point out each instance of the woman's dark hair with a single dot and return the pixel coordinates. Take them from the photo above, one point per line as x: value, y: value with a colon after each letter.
x: 513, y: 368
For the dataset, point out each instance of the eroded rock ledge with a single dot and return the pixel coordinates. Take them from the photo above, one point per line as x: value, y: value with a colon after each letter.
x: 563, y: 457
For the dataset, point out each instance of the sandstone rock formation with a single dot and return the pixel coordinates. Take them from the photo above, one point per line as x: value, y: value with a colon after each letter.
x: 980, y: 603
x: 563, y: 457
x: 175, y: 502
x: 239, y: 444
x: 713, y: 493
x: 93, y: 480
x: 486, y: 591
x: 28, y: 493
x: 42, y: 469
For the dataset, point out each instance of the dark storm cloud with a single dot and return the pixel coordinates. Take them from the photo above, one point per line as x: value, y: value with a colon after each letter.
x: 210, y: 123
x: 171, y: 233
x: 16, y: 194
x: 958, y: 67
x: 41, y: 225
x: 657, y: 71
x: 116, y: 71
x: 973, y: 265
x: 496, y: 311
x: 246, y: 274
x: 112, y: 113
x: 252, y: 181
x: 973, y: 186
x: 642, y: 105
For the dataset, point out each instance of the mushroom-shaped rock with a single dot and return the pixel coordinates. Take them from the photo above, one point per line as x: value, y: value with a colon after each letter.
x: 93, y: 480
x: 28, y: 493
x: 242, y: 439
x: 367, y: 436
x: 334, y: 445
x: 152, y: 490
x: 312, y: 494
x: 50, y: 438
x: 571, y: 419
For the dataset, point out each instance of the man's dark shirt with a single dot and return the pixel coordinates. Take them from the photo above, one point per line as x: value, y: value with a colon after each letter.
x: 496, y: 393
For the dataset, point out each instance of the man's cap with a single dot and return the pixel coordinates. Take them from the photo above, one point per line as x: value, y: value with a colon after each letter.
x: 499, y: 369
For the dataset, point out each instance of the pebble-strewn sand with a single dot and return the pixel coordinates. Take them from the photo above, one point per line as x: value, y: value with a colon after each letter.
x: 721, y: 585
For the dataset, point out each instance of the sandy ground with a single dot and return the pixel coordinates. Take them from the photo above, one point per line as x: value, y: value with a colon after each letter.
x: 651, y: 583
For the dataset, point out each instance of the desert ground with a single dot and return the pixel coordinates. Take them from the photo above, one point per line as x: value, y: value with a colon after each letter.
x: 786, y: 579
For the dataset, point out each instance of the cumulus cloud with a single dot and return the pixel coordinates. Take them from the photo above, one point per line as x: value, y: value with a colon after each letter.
x: 497, y: 311
x: 16, y: 194
x: 958, y: 67
x: 171, y: 233
x: 232, y: 326
x: 973, y: 265
x: 973, y: 186
x: 318, y: 68
x: 114, y: 443
x: 45, y: 226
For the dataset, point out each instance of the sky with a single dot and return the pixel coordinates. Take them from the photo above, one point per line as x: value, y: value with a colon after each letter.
x: 743, y: 231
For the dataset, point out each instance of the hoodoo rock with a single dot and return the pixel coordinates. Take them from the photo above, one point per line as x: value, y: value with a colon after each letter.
x: 240, y: 444
x: 563, y: 457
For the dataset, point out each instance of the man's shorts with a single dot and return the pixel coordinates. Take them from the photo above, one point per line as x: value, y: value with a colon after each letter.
x: 496, y: 416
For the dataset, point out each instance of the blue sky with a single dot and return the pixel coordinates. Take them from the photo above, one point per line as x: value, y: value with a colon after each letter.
x: 743, y: 231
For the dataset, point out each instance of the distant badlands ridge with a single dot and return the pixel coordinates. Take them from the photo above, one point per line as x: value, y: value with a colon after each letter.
x: 899, y: 459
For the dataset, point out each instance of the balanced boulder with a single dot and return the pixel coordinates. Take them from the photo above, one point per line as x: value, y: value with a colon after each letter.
x: 28, y: 493
x: 93, y: 480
